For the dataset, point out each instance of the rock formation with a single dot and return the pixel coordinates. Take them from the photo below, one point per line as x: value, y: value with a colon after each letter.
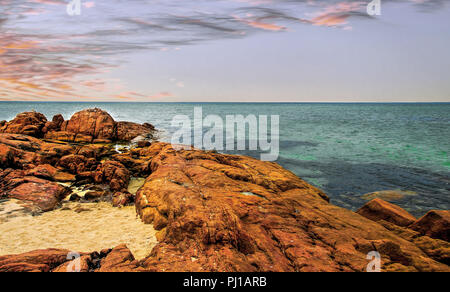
x: 435, y: 224
x: 28, y: 123
x: 378, y: 209
x: 213, y: 212
x: 118, y: 259
x: 87, y: 126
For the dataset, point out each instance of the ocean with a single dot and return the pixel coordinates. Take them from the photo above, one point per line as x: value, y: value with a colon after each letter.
x: 347, y: 150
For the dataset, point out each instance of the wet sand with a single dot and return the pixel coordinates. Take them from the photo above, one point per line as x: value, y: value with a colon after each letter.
x: 96, y: 227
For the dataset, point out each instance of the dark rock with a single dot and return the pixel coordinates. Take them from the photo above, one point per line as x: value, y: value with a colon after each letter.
x: 142, y: 144
x: 75, y: 198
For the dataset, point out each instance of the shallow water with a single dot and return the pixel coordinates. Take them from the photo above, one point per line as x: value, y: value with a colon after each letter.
x: 345, y: 149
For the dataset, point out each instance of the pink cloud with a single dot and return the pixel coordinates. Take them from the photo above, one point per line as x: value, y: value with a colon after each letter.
x: 336, y: 14
x: 257, y: 23
x: 89, y: 4
x: 160, y: 95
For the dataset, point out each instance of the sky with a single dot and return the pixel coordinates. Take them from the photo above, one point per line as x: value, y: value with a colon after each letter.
x: 225, y: 51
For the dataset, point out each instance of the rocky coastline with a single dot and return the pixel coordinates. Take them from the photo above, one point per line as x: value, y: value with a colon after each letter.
x: 212, y: 212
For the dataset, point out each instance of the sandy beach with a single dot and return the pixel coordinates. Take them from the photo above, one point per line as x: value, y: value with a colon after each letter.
x: 96, y: 227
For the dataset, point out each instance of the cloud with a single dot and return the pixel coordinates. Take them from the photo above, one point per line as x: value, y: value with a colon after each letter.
x: 46, y: 54
x: 339, y: 13
x: 161, y: 95
x: 89, y: 4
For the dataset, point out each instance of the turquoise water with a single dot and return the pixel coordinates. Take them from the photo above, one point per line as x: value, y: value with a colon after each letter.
x: 345, y: 149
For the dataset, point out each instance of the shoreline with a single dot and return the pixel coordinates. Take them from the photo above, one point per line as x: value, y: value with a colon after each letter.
x: 204, y: 211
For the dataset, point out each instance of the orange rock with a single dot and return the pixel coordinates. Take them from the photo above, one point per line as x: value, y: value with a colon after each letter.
x: 34, y: 261
x: 95, y: 151
x: 127, y: 131
x: 42, y: 193
x: 71, y: 266
x: 213, y: 212
x: 28, y: 123
x: 113, y: 173
x: 49, y: 172
x: 218, y: 212
x: 437, y: 249
x: 60, y: 136
x: 435, y: 224
x: 7, y: 156
x: 30, y: 151
x: 54, y: 125
x: 378, y: 209
x: 95, y: 123
x: 120, y: 259
x: 138, y: 166
x: 77, y: 163
x: 80, y: 138
x: 87, y: 126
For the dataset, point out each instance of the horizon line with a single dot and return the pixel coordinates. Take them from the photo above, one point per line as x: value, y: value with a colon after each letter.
x: 238, y: 102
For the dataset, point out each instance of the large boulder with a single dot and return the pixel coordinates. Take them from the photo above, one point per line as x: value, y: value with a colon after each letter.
x: 113, y: 173
x: 28, y: 123
x: 217, y: 212
x: 378, y: 209
x: 95, y: 123
x: 38, y: 192
x: 127, y: 131
x: 435, y: 224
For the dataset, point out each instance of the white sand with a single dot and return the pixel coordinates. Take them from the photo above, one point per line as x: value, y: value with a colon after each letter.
x: 102, y: 226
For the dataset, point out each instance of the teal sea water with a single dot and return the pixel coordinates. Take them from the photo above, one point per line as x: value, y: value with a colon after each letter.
x: 345, y: 149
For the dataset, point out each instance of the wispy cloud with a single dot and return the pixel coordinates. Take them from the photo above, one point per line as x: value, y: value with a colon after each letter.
x: 46, y: 54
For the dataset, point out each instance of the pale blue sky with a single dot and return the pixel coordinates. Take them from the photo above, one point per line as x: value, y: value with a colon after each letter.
x: 240, y: 50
